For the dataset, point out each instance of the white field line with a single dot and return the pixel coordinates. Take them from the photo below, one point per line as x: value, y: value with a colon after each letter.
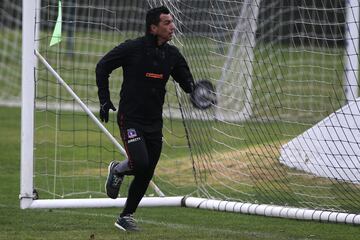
x: 258, y: 235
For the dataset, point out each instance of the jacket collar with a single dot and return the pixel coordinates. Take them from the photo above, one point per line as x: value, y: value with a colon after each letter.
x: 151, y: 40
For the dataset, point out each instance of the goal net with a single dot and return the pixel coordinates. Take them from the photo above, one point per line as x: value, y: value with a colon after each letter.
x: 277, y: 68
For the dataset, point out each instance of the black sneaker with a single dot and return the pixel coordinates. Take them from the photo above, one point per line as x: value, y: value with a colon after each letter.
x: 127, y: 223
x: 113, y: 181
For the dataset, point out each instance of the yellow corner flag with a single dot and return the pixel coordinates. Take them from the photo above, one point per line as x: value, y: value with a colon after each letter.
x: 56, y: 36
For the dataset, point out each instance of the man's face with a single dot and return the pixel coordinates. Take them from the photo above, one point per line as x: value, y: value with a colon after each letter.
x: 165, y: 29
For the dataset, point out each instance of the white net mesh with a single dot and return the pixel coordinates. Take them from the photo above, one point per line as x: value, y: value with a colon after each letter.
x: 10, y: 56
x: 277, y: 68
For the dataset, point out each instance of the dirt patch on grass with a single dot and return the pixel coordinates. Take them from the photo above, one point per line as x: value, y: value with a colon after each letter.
x: 231, y: 167
x: 256, y: 165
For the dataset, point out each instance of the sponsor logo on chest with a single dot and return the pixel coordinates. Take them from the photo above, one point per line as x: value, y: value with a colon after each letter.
x: 154, y: 75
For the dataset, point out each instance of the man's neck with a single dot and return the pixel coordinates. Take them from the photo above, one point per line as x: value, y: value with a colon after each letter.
x: 158, y: 41
x: 161, y: 41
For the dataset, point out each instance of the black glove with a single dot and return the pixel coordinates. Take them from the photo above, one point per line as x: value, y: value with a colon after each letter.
x: 203, y: 95
x: 104, y: 110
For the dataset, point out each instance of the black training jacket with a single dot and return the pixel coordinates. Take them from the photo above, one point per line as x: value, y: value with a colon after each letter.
x: 146, y: 70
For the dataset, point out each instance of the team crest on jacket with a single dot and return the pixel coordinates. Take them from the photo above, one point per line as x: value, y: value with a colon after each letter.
x: 131, y: 133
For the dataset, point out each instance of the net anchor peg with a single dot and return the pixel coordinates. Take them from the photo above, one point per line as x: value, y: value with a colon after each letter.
x: 33, y: 196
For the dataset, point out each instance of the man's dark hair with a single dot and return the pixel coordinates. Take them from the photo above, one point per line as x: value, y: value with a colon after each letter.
x: 153, y: 16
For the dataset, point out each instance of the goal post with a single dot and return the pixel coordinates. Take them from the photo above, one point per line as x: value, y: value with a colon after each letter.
x: 27, y: 109
x: 330, y: 148
x: 351, y: 83
x: 30, y: 55
x: 278, y: 69
x: 238, y: 67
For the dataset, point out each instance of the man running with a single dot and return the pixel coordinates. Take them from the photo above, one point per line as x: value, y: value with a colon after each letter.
x: 147, y: 64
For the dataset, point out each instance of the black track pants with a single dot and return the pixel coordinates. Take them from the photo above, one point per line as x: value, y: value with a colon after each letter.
x: 143, y: 150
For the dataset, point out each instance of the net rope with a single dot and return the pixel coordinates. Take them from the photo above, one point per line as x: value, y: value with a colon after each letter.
x: 277, y: 68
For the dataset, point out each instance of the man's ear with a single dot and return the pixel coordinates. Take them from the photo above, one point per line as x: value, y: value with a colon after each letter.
x: 153, y: 28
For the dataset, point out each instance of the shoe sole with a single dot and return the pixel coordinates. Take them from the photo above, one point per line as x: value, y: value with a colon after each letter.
x: 123, y: 229
x: 119, y: 227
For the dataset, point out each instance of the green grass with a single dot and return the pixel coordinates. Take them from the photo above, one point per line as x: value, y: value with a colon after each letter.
x: 157, y: 223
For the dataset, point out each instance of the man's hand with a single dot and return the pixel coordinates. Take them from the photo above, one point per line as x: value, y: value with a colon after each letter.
x: 203, y: 95
x: 104, y: 110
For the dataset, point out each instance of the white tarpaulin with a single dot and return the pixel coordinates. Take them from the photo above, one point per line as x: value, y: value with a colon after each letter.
x: 331, y: 148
